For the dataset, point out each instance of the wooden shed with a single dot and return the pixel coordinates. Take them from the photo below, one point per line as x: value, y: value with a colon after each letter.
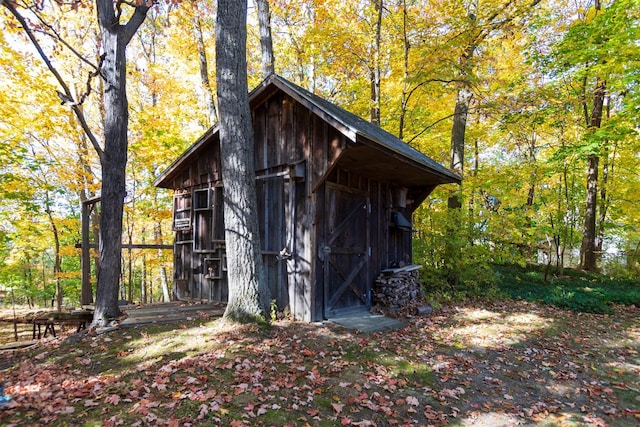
x: 335, y: 192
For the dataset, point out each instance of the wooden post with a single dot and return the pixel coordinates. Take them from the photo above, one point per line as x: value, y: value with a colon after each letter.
x: 86, y: 295
x: 15, y: 319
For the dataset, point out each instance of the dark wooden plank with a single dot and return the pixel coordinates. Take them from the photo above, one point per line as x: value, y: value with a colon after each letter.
x: 318, y: 165
x: 260, y: 136
x: 273, y: 133
x: 287, y: 142
x: 17, y: 345
x: 132, y: 246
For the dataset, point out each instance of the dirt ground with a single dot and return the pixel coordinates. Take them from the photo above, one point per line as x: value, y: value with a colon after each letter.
x: 506, y: 364
x: 525, y: 364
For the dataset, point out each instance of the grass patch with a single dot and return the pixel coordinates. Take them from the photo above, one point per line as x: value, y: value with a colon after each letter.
x: 576, y: 290
x: 521, y: 362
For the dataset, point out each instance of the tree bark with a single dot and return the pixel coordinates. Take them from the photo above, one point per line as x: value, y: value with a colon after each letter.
x: 459, y: 125
x: 204, y: 72
x: 248, y: 293
x: 166, y: 297
x: 115, y: 38
x: 589, y: 247
x: 375, y: 69
x: 607, y: 174
x: 406, y: 47
x: 266, y: 41
x: 458, y: 130
x: 57, y: 264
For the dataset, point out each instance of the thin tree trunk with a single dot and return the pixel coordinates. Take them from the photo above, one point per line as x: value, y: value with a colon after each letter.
x: 607, y: 174
x: 143, y: 274
x: 248, y: 292
x: 163, y: 270
x: 204, y: 72
x: 375, y: 68
x: 458, y: 130
x: 589, y: 236
x: 459, y: 125
x: 143, y: 281
x: 589, y: 247
x: 266, y: 41
x: 84, y: 194
x: 405, y: 77
x: 604, y: 202
x: 57, y: 264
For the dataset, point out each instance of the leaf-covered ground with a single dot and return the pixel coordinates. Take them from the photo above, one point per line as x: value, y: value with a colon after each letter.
x: 507, y: 364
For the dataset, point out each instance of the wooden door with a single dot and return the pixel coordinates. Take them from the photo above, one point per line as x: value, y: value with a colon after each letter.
x: 345, y: 252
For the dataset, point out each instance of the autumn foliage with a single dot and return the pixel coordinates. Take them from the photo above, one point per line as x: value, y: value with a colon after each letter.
x: 528, y: 69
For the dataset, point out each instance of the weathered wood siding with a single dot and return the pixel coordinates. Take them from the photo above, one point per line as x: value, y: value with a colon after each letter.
x: 386, y: 243
x: 326, y: 232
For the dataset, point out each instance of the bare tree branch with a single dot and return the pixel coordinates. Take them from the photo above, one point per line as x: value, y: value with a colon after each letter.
x: 66, y: 96
x: 429, y: 127
x: 135, y: 21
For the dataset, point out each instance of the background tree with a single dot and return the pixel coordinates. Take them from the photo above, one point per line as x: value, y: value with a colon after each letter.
x: 266, y: 41
x: 112, y: 153
x: 593, y: 66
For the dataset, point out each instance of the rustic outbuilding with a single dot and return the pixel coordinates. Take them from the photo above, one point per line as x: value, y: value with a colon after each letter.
x: 336, y: 196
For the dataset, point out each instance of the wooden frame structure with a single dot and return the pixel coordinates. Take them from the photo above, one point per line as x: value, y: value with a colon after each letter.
x: 86, y: 294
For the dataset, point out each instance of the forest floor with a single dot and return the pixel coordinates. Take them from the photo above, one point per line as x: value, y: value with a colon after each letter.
x: 503, y: 364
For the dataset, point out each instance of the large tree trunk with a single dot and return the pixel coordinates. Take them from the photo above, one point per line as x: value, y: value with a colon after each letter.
x: 113, y: 158
x: 113, y: 175
x: 266, y: 41
x: 248, y: 292
x: 588, y: 249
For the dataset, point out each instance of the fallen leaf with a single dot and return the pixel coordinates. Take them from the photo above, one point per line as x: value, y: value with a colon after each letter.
x: 413, y: 401
x: 114, y: 399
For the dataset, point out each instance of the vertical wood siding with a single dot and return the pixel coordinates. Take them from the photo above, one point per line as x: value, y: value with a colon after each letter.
x: 294, y: 214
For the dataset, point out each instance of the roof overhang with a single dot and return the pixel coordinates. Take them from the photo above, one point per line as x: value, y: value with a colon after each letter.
x: 372, y: 151
x: 165, y: 178
x: 369, y: 159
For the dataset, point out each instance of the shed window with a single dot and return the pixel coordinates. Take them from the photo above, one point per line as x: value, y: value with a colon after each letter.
x: 182, y: 212
x: 202, y: 199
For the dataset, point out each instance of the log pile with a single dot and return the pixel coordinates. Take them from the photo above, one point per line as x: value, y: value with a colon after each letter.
x: 398, y: 291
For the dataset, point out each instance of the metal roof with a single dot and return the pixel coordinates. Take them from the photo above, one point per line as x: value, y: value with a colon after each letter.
x: 353, y: 127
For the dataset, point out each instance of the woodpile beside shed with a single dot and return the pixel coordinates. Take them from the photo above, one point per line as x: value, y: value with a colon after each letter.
x: 399, y: 291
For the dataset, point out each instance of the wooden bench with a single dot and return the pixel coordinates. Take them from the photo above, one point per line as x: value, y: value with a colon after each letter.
x: 77, y: 318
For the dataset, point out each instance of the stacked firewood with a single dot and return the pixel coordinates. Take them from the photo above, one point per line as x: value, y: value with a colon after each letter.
x: 399, y: 291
